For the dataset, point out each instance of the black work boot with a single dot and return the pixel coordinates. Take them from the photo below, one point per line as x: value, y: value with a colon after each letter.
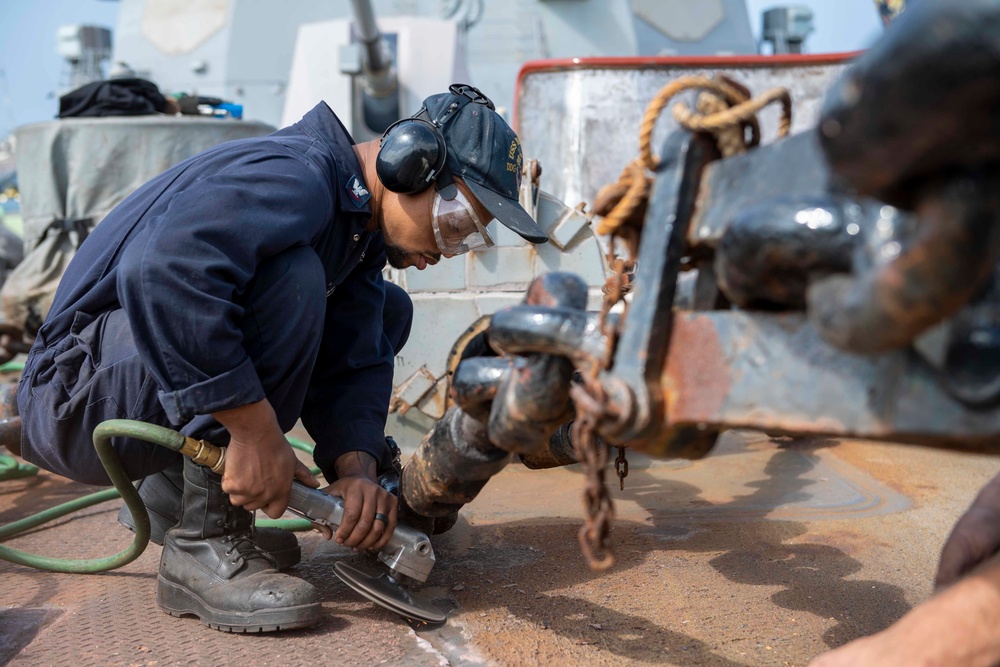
x: 212, y: 569
x: 162, y: 495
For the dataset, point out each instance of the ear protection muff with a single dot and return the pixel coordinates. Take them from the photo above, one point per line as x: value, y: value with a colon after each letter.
x: 413, y: 153
x: 411, y: 156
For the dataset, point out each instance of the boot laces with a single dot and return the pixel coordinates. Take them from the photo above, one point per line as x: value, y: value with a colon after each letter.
x: 243, y: 543
x: 243, y: 547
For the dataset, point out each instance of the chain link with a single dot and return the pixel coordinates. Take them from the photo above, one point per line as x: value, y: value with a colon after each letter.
x: 591, y: 407
x: 621, y: 468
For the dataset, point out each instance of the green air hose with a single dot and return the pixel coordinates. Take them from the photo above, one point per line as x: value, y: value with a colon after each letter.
x: 158, y: 435
x: 12, y: 367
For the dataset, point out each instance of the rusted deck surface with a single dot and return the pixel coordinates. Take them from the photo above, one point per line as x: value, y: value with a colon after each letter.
x: 767, y: 552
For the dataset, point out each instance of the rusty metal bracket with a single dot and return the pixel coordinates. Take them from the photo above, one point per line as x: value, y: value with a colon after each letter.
x: 413, y: 391
x: 633, y: 383
x: 773, y: 372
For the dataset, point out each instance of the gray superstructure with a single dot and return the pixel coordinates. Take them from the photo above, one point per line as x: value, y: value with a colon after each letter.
x: 242, y: 49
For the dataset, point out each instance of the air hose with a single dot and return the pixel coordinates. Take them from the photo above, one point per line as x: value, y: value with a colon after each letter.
x: 157, y: 435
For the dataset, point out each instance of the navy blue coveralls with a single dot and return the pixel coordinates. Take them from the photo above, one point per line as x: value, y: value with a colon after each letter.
x: 243, y: 273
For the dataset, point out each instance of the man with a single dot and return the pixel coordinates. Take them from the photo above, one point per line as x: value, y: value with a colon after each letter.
x: 240, y: 291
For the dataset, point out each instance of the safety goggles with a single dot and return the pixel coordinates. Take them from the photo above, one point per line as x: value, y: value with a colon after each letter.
x: 457, y: 228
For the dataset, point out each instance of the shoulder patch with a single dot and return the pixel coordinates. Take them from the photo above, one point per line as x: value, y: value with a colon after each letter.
x: 357, y: 191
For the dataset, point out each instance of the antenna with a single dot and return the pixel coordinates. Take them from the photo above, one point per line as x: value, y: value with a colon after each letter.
x: 84, y: 49
x: 787, y: 28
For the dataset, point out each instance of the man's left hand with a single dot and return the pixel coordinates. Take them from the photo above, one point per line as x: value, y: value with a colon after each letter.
x: 364, y: 498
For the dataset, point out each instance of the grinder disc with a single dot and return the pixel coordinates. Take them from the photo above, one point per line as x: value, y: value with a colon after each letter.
x: 384, y: 591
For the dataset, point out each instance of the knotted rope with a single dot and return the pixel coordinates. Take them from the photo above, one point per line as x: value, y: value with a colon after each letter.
x: 724, y: 110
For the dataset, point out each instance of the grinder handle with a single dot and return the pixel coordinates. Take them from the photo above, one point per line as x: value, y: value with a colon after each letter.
x: 316, y: 505
x: 321, y: 507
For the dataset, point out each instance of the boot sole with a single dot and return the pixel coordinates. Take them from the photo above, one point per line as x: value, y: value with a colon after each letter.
x: 178, y: 601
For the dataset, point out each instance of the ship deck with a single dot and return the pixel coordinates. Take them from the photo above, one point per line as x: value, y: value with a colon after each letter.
x: 767, y: 552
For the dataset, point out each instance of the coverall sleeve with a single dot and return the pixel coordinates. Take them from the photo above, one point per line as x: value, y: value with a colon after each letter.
x: 348, y: 397
x: 180, y: 279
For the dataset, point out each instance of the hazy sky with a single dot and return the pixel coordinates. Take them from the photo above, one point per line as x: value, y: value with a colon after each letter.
x: 30, y: 69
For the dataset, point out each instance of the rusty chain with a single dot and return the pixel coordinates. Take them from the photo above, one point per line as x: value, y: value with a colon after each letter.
x: 726, y: 110
x: 621, y: 468
x: 591, y: 407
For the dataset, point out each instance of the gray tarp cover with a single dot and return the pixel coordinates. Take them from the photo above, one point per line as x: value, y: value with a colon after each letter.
x: 72, y: 172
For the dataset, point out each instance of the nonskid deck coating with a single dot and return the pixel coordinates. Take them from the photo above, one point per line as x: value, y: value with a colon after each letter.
x: 766, y: 552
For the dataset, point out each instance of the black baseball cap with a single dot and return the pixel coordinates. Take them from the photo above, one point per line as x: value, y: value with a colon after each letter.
x: 485, y: 153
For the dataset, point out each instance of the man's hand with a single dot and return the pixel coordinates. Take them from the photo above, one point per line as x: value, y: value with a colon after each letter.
x: 260, y: 464
x: 358, y: 485
x: 974, y: 538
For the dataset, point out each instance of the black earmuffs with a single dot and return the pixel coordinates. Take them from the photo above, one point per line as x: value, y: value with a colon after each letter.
x: 413, y: 153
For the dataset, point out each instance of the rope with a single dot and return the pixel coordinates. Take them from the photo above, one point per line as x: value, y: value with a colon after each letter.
x: 728, y: 92
x: 738, y: 114
x: 724, y: 110
x: 635, y: 186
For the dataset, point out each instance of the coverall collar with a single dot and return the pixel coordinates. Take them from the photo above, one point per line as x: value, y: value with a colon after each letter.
x: 324, y: 125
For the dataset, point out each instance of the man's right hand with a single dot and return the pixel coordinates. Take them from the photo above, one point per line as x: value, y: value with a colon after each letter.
x: 260, y: 464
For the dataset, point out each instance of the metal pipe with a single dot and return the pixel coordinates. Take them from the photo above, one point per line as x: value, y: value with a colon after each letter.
x: 377, y: 90
x: 559, y: 451
x: 451, y: 466
x: 376, y: 58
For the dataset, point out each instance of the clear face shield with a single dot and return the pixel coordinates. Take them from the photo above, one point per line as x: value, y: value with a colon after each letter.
x: 457, y: 228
